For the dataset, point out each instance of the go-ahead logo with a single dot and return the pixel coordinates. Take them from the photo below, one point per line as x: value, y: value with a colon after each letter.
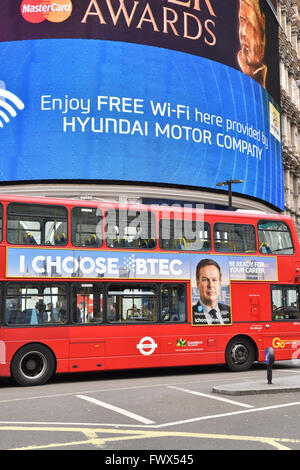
x: 36, y: 11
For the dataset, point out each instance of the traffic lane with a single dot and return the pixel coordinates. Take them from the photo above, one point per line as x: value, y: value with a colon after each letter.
x: 158, y: 403
x: 173, y: 400
x: 24, y: 437
x: 228, y: 427
x: 139, y: 405
x: 204, y: 377
x: 137, y: 393
x: 110, y: 380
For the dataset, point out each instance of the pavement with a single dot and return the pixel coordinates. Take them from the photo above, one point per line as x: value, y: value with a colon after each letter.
x: 281, y: 384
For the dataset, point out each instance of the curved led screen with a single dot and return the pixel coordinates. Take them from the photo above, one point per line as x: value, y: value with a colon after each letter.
x: 168, y: 91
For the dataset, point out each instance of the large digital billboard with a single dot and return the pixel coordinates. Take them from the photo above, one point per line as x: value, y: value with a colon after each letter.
x: 161, y: 91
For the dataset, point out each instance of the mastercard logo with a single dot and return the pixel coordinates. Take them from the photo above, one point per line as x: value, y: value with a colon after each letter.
x: 36, y: 11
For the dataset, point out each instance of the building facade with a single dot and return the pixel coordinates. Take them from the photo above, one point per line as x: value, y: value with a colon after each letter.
x: 289, y: 51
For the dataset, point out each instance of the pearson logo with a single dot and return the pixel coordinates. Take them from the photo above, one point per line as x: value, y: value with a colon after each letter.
x: 36, y: 11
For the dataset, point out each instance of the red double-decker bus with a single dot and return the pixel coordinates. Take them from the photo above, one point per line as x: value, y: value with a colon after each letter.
x: 89, y: 286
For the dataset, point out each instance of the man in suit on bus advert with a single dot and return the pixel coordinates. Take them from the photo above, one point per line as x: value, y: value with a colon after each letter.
x: 208, y: 311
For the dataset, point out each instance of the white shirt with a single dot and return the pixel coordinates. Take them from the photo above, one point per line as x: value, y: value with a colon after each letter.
x: 208, y: 316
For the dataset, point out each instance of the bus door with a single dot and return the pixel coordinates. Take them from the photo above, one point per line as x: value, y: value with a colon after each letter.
x: 133, y: 334
x: 87, y: 342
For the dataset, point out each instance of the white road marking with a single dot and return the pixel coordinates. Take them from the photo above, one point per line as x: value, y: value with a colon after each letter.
x: 205, y: 395
x: 222, y: 415
x: 134, y: 416
x: 293, y: 371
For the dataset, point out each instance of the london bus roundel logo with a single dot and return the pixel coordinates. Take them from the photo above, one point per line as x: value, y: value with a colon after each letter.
x: 37, y: 11
x: 147, y: 346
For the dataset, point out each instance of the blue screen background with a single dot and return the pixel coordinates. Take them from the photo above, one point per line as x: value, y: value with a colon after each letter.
x: 34, y: 145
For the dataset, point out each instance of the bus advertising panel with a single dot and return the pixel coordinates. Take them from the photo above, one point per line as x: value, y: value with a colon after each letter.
x: 173, y: 92
x: 90, y: 264
x: 66, y: 263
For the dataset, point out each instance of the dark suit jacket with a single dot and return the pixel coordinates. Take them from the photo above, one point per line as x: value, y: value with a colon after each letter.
x: 199, y: 317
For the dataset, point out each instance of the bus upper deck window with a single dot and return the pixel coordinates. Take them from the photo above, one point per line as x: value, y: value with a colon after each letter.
x: 274, y: 237
x: 186, y: 235
x: 36, y: 224
x: 130, y: 229
x: 86, y: 226
x: 234, y: 238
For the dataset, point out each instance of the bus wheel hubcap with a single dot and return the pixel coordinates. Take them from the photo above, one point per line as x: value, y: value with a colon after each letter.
x: 239, y: 353
x: 33, y: 365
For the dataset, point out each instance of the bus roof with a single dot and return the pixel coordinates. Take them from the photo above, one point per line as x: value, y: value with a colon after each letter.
x: 175, y: 209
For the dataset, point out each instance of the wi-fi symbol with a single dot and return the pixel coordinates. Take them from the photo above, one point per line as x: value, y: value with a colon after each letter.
x: 6, y: 109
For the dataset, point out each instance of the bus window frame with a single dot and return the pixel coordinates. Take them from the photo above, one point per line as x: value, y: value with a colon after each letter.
x: 176, y: 249
x: 121, y: 244
x: 275, y: 253
x: 274, y: 287
x: 101, y: 241
x: 134, y: 285
x: 54, y: 283
x: 65, y: 208
x: 235, y: 252
x: 103, y: 291
x: 168, y: 322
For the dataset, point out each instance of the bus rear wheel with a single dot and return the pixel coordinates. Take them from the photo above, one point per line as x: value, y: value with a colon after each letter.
x: 239, y: 354
x: 32, y: 365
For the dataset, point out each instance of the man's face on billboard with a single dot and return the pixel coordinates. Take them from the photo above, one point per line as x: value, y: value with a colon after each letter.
x: 251, y: 36
x: 209, y: 285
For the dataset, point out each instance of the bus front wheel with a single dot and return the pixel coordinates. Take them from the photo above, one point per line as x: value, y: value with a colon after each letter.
x: 32, y: 365
x: 239, y: 354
